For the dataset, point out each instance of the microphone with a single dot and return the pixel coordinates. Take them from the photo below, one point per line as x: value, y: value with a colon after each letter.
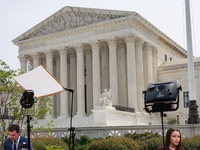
x: 23, y: 146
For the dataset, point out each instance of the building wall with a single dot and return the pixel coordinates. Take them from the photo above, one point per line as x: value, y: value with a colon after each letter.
x: 96, y: 132
x: 180, y: 73
x: 119, y: 52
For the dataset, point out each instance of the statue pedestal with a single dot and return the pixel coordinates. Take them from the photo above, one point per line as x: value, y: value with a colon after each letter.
x: 109, y: 116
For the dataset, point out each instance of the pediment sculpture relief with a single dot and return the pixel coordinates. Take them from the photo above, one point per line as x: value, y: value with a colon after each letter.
x: 70, y: 20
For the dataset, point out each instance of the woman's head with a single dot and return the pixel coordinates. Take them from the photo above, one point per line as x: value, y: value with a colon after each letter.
x: 173, y: 138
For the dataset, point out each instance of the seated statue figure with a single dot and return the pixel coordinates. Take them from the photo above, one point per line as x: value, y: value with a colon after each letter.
x: 105, y: 98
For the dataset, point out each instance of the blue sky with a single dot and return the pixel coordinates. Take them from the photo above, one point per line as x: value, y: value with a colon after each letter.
x: 18, y: 16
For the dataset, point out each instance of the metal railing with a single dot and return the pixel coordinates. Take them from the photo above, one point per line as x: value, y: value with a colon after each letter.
x: 122, y: 108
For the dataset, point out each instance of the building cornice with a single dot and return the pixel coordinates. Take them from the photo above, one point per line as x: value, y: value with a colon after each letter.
x: 137, y: 23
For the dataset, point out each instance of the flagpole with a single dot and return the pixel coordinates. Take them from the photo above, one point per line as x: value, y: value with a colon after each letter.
x: 193, y: 107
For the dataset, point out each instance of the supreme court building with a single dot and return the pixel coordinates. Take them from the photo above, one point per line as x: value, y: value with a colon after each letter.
x: 90, y: 50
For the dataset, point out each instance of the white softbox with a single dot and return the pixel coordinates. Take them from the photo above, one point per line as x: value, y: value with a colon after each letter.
x: 40, y: 81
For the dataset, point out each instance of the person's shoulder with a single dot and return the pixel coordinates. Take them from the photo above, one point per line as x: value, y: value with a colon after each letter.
x: 182, y: 148
x: 22, y: 137
x: 7, y: 140
x: 7, y: 143
x: 160, y: 148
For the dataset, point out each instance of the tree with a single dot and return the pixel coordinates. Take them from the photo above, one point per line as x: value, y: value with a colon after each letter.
x: 10, y: 108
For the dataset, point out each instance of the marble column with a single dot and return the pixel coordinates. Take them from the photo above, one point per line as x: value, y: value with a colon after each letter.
x: 73, y: 81
x: 155, y: 63
x: 43, y: 60
x: 23, y: 63
x: 36, y: 60
x: 104, y: 68
x: 122, y: 74
x: 64, y: 82
x: 68, y: 79
x: 198, y: 85
x: 57, y: 95
x: 151, y: 61
x: 147, y: 64
x: 89, y: 81
x: 49, y: 65
x: 139, y: 73
x: 131, y: 71
x: 36, y: 63
x: 80, y: 81
x: 113, y: 70
x: 96, y: 73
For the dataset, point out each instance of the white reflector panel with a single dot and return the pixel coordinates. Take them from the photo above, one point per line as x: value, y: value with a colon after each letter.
x: 40, y: 81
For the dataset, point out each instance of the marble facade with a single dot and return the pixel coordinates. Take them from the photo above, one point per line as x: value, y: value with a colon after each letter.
x: 89, y: 50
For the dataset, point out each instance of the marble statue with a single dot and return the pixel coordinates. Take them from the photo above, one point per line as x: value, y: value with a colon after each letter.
x: 106, y: 98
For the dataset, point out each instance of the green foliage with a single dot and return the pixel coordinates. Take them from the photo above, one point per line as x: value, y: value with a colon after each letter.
x: 191, y: 143
x: 151, y: 144
x: 53, y: 147
x: 119, y: 143
x: 143, y: 136
x: 172, y: 120
x: 42, y: 143
x: 79, y: 144
x: 11, y: 110
x: 10, y: 93
x: 65, y: 139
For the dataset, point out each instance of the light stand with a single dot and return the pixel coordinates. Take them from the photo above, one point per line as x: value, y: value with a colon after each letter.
x: 26, y: 101
x: 28, y: 131
x: 163, y: 115
x: 160, y: 97
x: 71, y: 129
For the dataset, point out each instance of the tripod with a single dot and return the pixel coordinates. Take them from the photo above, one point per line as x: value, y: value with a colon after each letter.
x: 71, y: 129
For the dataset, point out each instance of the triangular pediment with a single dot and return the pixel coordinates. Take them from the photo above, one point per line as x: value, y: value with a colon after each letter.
x: 71, y: 17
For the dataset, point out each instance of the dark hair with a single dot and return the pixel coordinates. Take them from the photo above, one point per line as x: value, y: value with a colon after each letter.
x: 168, y: 135
x: 13, y: 127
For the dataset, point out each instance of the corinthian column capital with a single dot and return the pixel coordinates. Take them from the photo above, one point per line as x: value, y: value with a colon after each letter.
x: 78, y: 47
x: 139, y: 41
x: 154, y: 50
x: 130, y: 38
x: 62, y: 51
x: 147, y: 46
x: 111, y: 41
x: 49, y: 53
x: 22, y: 58
x: 94, y: 44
